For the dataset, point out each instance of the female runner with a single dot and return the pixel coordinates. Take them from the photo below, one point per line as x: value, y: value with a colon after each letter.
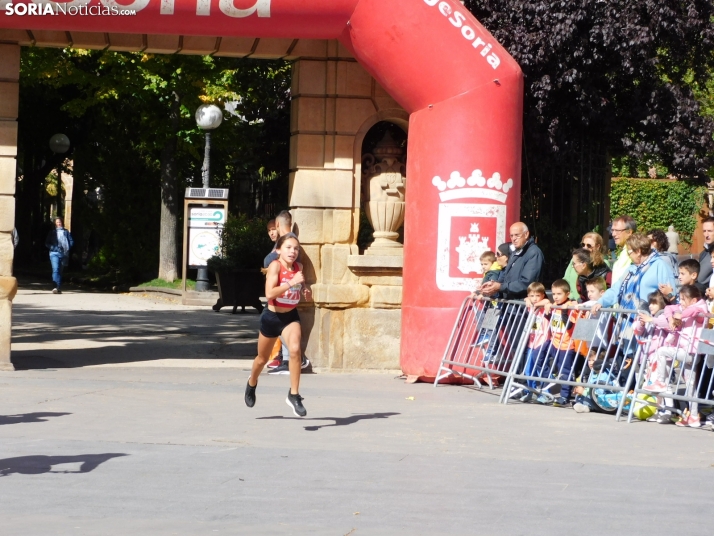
x: 283, y: 283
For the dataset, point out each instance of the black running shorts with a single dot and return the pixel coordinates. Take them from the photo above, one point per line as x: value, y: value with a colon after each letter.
x: 272, y: 324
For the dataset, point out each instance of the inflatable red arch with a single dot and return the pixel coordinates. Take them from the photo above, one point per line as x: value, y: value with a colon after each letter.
x: 463, y: 92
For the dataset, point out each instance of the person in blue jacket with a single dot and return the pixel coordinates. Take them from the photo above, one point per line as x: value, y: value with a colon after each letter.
x: 647, y: 271
x: 643, y: 277
x: 524, y: 266
x: 59, y: 241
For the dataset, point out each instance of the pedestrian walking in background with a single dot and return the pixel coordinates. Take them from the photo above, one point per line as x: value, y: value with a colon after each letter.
x: 59, y: 241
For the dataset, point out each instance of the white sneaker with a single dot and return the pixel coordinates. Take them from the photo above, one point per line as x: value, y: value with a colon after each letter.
x: 55, y: 290
x: 581, y: 408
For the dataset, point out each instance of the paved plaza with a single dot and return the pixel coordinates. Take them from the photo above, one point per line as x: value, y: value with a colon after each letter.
x: 129, y: 419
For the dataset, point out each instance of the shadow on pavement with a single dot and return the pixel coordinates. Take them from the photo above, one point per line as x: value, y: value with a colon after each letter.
x: 44, y: 338
x: 37, y: 465
x: 339, y: 421
x: 29, y: 417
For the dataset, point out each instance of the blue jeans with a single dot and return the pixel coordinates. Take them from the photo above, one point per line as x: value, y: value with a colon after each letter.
x: 56, y: 260
x: 562, y: 366
x: 531, y: 358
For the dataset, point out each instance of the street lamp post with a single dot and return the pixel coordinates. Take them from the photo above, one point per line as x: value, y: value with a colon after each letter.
x: 208, y: 118
x: 59, y: 144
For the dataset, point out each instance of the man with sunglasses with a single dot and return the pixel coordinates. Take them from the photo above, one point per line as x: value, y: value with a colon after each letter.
x: 622, y: 228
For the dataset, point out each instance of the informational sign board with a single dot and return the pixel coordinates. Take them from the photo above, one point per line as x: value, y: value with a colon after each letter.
x: 204, y: 226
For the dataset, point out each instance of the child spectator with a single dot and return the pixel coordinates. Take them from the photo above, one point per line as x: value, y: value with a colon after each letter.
x: 502, y: 254
x: 595, y: 289
x: 644, y: 328
x: 684, y: 321
x: 688, y: 274
x: 560, y: 348
x: 491, y: 269
x: 537, y: 335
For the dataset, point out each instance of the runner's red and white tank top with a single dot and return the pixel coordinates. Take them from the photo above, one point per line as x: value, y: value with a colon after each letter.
x: 291, y: 297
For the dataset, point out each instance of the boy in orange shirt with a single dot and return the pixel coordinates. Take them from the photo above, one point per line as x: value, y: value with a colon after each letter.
x: 560, y: 348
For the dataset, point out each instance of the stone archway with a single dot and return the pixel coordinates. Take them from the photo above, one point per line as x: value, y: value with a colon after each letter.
x: 462, y: 90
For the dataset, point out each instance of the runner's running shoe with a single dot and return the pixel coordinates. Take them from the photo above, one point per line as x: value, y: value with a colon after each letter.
x: 249, y: 395
x: 295, y: 402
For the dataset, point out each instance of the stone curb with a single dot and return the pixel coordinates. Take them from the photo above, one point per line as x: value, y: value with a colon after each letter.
x: 173, y: 291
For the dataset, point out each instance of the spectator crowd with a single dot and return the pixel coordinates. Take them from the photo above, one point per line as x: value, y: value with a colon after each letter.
x: 667, y: 301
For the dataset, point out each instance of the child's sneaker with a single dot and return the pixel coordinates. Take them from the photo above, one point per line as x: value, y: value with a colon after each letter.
x: 661, y: 418
x: 709, y: 422
x: 655, y: 417
x: 579, y: 407
x: 561, y: 402
x: 543, y: 399
x: 656, y: 387
x: 691, y: 421
x: 527, y: 398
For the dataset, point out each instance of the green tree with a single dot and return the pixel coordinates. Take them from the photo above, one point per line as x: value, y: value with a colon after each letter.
x: 622, y: 71
x: 139, y: 134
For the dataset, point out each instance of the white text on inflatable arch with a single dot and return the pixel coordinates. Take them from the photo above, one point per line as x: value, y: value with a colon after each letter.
x: 227, y: 7
x: 457, y: 18
x: 203, y: 7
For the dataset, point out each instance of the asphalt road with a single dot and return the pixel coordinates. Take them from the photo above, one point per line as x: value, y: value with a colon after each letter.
x: 132, y: 431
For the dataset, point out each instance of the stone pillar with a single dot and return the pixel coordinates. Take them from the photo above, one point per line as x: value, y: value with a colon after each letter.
x: 334, y: 102
x: 9, y: 98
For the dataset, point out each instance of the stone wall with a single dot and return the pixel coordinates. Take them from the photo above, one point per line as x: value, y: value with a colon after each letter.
x: 355, y: 321
x: 9, y: 98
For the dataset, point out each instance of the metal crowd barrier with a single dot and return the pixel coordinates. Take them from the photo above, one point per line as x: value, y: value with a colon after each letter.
x: 607, y: 364
x: 596, y: 364
x: 486, y: 339
x: 675, y: 373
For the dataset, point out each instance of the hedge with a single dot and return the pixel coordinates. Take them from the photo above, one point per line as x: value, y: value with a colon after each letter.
x: 657, y: 204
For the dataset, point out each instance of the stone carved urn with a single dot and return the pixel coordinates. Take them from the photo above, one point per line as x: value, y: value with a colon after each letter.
x: 384, y: 181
